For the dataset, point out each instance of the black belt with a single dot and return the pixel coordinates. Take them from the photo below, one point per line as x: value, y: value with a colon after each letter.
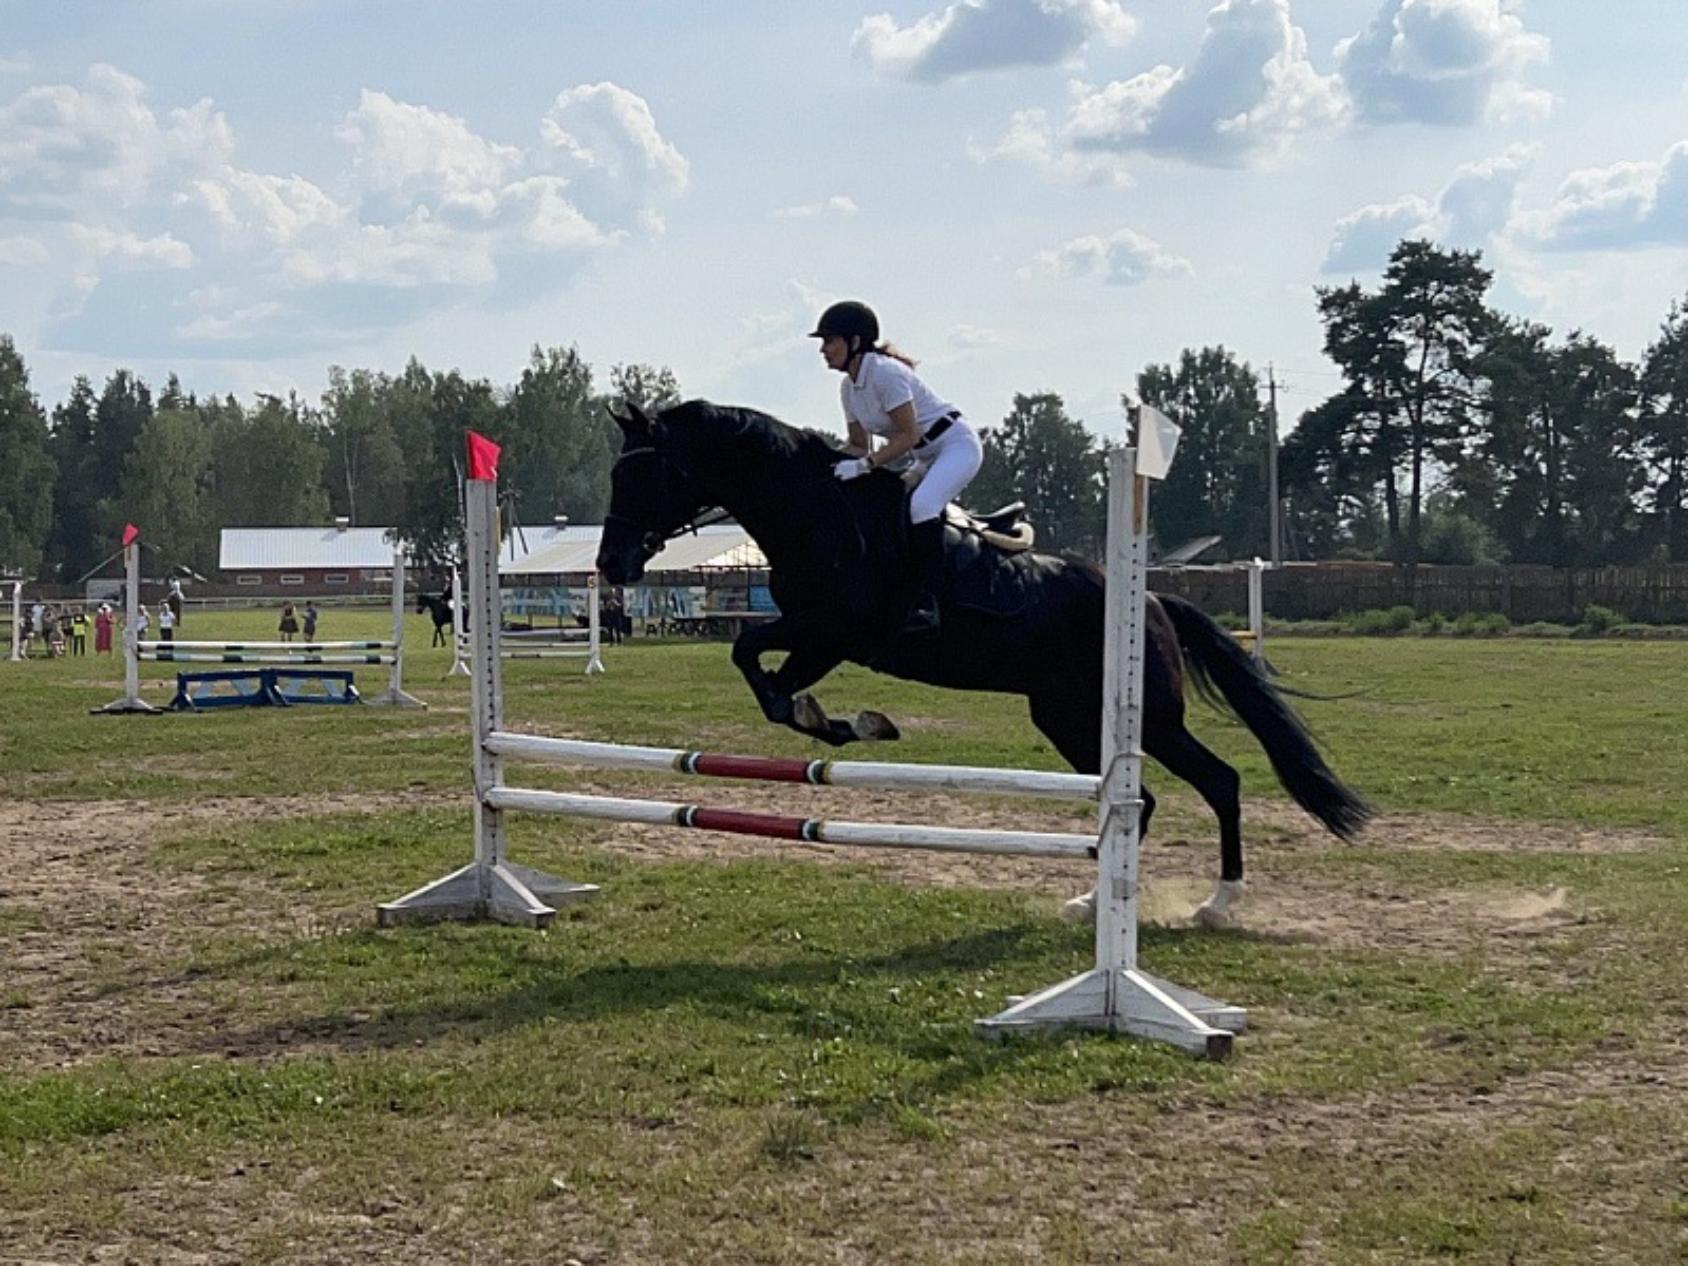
x: 938, y: 428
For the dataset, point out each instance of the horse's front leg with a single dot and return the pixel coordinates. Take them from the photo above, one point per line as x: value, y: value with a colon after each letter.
x: 807, y: 661
x: 749, y: 646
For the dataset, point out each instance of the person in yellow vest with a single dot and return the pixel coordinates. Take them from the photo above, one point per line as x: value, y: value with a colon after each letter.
x: 79, y: 631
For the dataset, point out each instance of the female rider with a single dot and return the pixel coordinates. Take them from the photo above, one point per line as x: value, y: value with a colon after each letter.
x: 884, y: 398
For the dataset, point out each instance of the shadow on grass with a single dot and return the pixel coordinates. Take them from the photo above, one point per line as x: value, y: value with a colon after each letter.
x: 533, y: 990
x: 487, y: 987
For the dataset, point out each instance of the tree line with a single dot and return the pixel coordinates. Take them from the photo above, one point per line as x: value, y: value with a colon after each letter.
x: 376, y: 449
x: 1459, y: 434
x: 380, y: 449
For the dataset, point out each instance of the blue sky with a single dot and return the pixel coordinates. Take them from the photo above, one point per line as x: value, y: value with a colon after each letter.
x: 1035, y: 194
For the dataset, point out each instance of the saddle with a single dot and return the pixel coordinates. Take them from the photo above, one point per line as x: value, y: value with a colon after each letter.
x: 1007, y: 529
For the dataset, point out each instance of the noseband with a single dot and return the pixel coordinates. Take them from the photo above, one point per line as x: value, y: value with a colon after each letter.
x: 652, y: 538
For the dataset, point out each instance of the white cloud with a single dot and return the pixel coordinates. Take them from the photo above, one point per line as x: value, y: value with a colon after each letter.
x: 419, y: 153
x: 604, y: 141
x: 980, y: 35
x: 1623, y: 206
x: 68, y: 151
x: 967, y: 337
x: 236, y: 325
x: 423, y: 202
x: 126, y: 250
x: 839, y: 204
x: 1246, y: 93
x: 252, y: 209
x: 1126, y: 258
x: 1469, y: 210
x: 14, y: 65
x: 1447, y: 62
x: 1031, y: 138
x: 22, y: 250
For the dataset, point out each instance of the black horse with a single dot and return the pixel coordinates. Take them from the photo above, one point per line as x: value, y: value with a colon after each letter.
x: 1025, y: 623
x: 438, y: 606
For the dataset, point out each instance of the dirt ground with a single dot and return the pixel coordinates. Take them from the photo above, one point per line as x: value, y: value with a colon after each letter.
x: 77, y: 883
x: 75, y: 874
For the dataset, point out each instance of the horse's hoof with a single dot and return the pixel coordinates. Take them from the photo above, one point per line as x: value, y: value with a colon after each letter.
x: 1080, y: 909
x: 1215, y: 912
x: 808, y: 714
x: 876, y: 726
x: 1212, y: 917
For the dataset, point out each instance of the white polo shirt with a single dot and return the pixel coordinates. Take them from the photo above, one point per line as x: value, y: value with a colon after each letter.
x: 882, y: 384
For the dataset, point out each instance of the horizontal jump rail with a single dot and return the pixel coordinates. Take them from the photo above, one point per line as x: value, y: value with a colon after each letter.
x: 196, y: 657
x: 881, y: 775
x: 807, y: 830
x: 296, y: 647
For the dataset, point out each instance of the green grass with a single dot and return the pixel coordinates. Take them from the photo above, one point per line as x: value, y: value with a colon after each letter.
x: 771, y: 1060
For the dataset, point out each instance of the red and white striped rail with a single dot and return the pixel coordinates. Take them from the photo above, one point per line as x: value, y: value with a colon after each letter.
x: 1115, y: 994
x: 867, y: 775
x: 809, y: 830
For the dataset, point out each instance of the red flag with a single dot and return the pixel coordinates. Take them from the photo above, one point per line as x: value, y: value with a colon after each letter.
x: 131, y: 534
x: 483, y: 458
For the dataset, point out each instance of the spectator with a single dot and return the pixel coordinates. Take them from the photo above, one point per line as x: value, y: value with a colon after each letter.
x: 102, y: 629
x: 166, y: 622
x: 37, y: 626
x: 609, y: 617
x: 175, y: 601
x: 79, y: 631
x: 289, y: 622
x: 55, y: 633
x: 310, y: 621
x: 143, y: 622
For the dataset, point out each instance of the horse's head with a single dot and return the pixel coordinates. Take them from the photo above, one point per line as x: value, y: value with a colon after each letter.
x: 652, y: 497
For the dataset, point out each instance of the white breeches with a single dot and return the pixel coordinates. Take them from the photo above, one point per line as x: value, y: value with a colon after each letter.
x: 946, y: 466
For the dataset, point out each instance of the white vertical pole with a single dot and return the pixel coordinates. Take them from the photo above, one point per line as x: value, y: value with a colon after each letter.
x: 1116, y: 994
x: 131, y: 700
x: 395, y: 674
x: 459, y: 635
x: 132, y: 622
x: 1257, y: 608
x: 594, y: 643
x: 17, y: 620
x: 1122, y: 718
x: 395, y: 696
x: 490, y: 887
x: 486, y: 676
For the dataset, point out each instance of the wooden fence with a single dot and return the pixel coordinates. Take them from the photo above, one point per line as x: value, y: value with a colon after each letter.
x: 1320, y: 591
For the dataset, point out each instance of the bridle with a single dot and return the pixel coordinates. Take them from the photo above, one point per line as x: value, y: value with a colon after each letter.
x: 652, y: 539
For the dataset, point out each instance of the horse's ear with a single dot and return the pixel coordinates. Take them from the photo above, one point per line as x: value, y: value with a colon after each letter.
x: 635, y: 424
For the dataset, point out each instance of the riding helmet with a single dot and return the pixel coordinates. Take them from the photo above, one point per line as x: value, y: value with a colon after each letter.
x: 847, y: 320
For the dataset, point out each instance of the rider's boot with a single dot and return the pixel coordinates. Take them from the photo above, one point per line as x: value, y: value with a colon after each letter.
x: 925, y: 576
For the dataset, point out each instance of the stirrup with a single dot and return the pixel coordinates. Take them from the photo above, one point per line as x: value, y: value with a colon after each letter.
x: 923, y: 618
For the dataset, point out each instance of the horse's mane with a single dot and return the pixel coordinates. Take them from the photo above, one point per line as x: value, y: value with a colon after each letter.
x: 724, y: 426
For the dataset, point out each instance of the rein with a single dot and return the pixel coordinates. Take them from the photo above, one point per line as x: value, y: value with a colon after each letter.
x: 703, y: 518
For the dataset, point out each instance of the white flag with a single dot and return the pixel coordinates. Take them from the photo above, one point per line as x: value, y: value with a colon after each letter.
x: 1157, y: 442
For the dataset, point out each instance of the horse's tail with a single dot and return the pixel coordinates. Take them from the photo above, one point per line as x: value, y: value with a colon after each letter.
x: 1225, y: 675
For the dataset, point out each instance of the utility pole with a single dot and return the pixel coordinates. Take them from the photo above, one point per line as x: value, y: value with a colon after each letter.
x: 1274, y: 506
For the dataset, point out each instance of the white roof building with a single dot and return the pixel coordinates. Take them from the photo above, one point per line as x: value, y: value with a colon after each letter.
x: 541, y: 550
x: 575, y: 549
x: 304, y: 549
